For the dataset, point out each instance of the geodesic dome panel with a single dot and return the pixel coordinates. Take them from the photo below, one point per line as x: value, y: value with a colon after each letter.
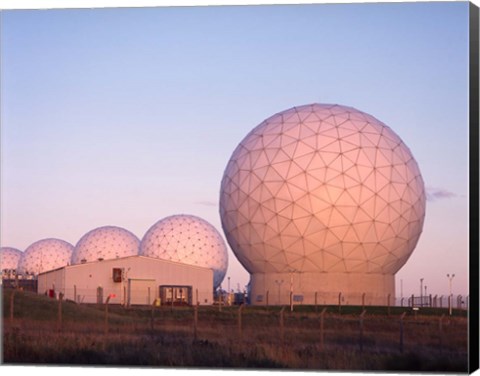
x: 45, y: 255
x: 107, y: 243
x: 190, y: 240
x: 322, y: 188
x: 9, y: 258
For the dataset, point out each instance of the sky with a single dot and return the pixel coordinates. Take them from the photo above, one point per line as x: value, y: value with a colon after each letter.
x: 124, y: 116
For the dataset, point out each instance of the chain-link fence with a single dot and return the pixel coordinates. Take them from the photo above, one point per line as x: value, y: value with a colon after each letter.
x: 282, y: 297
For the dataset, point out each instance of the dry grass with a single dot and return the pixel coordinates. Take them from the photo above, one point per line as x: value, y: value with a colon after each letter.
x: 133, y: 339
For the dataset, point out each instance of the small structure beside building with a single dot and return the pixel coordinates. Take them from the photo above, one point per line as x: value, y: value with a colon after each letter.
x: 132, y: 280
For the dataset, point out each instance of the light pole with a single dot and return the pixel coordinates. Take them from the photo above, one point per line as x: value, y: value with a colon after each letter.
x: 279, y: 283
x: 229, y: 300
x: 421, y: 292
x: 450, y: 277
x: 401, y: 289
x: 291, y: 291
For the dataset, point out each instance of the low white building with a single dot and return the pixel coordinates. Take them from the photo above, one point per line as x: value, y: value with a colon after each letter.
x: 133, y: 280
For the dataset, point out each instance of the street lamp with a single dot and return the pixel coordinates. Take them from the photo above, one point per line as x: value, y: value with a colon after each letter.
x: 450, y: 277
x: 291, y: 290
x: 421, y: 292
x: 229, y: 296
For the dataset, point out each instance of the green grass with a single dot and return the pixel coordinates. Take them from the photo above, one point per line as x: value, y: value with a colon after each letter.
x: 371, y: 310
x: 28, y: 305
x: 40, y: 307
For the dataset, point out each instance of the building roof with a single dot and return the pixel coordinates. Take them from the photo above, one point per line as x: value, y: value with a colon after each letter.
x: 149, y: 259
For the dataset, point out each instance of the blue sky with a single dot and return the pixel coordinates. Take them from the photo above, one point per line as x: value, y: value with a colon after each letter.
x: 125, y: 116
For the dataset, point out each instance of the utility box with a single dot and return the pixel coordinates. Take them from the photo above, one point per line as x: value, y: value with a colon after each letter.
x: 117, y: 275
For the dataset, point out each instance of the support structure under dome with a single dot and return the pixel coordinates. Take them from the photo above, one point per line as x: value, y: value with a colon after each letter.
x: 322, y: 288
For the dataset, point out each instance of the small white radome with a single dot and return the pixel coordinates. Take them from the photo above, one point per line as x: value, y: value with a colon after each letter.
x: 190, y: 240
x: 105, y: 243
x: 45, y: 255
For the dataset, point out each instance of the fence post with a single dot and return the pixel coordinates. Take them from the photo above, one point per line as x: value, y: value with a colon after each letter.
x: 339, y: 302
x: 282, y: 333
x: 322, y: 337
x: 363, y: 301
x: 75, y: 293
x: 240, y: 322
x: 440, y: 331
x: 401, y: 331
x: 316, y: 302
x: 361, y: 329
x: 106, y: 314
x: 266, y: 299
x: 60, y: 297
x: 388, y: 305
x: 152, y: 317
x: 11, y: 306
x: 195, y: 322
x: 413, y: 301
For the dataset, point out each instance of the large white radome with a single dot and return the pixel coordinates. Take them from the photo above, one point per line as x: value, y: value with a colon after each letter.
x: 45, y: 255
x: 107, y: 243
x: 322, y: 188
x: 190, y: 240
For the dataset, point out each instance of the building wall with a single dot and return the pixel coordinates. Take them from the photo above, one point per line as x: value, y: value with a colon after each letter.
x: 82, y: 282
x: 54, y: 280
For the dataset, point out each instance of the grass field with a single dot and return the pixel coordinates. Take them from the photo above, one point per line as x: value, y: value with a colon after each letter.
x: 45, y: 331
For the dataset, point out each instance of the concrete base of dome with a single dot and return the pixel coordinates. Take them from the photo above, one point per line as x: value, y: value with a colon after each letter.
x: 322, y: 288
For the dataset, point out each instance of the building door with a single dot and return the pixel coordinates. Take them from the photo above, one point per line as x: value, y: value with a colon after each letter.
x: 141, y: 291
x: 176, y: 295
